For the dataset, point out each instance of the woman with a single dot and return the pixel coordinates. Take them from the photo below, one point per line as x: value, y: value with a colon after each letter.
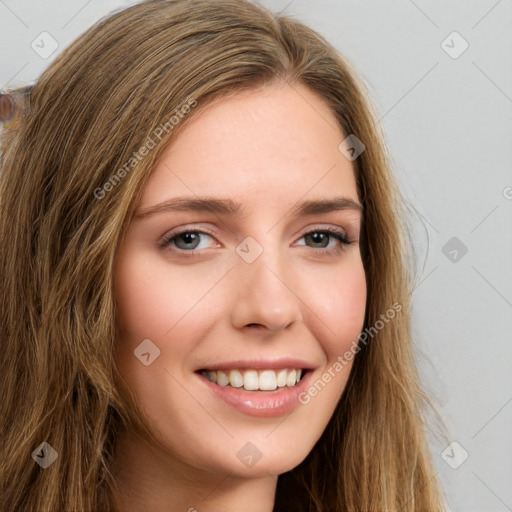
x: 178, y: 336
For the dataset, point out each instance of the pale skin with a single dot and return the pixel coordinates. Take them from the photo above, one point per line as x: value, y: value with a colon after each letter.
x: 268, y: 150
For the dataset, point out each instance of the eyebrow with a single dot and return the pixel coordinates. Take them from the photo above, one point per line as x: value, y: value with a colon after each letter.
x: 230, y: 207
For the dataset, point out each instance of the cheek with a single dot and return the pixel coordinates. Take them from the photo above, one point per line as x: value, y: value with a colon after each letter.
x: 339, y: 311
x: 150, y: 298
x: 340, y: 307
x: 161, y: 304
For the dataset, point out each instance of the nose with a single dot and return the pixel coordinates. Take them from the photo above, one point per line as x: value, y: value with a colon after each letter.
x: 265, y: 294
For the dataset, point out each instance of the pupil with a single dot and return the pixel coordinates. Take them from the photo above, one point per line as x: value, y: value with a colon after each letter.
x: 315, y: 236
x: 188, y: 238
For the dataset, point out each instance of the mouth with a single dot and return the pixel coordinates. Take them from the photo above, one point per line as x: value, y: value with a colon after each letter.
x: 259, y: 387
x: 255, y: 379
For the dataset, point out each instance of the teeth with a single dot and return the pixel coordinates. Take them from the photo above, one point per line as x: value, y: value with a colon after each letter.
x: 222, y: 379
x: 281, y: 378
x: 252, y: 380
x: 236, y: 379
x: 211, y: 376
x: 268, y: 380
x: 291, y: 378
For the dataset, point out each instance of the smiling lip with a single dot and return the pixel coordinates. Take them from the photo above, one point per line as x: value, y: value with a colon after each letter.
x: 264, y: 404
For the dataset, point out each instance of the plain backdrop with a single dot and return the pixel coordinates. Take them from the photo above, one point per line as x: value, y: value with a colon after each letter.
x: 440, y: 74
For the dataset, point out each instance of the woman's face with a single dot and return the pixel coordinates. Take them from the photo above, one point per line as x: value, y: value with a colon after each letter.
x: 249, y: 295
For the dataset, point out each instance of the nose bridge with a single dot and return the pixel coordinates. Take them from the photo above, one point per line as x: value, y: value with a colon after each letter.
x: 265, y: 285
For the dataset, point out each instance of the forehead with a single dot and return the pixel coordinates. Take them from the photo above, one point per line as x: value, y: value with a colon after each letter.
x: 275, y: 142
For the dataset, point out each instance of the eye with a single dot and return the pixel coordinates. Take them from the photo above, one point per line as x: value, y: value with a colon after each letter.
x: 188, y: 240
x: 320, y: 236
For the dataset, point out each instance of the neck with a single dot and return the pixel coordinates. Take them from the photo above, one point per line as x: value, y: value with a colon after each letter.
x: 149, y: 480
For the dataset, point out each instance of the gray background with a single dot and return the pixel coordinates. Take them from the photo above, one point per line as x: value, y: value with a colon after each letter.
x: 447, y: 123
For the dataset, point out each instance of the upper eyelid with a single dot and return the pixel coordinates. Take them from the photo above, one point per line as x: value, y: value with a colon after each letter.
x: 316, y: 227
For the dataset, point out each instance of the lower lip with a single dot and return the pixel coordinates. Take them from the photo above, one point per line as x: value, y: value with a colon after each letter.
x: 264, y: 404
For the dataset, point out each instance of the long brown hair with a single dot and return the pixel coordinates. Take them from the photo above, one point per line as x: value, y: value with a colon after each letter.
x: 60, y: 226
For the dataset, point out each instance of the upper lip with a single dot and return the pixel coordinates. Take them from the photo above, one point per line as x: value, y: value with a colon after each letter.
x: 260, y: 364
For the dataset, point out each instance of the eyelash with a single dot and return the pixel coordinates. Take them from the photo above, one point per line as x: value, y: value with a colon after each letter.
x: 338, y: 235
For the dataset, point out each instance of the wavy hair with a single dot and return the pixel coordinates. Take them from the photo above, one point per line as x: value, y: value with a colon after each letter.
x: 82, y: 120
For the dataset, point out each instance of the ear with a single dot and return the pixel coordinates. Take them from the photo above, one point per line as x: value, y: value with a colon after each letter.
x: 8, y: 108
